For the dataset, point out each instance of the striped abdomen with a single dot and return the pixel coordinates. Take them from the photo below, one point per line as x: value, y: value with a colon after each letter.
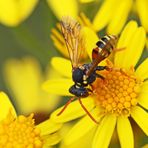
x: 104, y: 47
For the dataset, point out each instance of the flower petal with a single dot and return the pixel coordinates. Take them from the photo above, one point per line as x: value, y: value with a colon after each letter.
x: 58, y: 86
x: 64, y: 7
x: 90, y: 39
x: 118, y: 20
x: 104, y: 15
x: 124, y: 40
x: 142, y: 8
x: 13, y: 12
x: 5, y: 106
x: 58, y: 40
x: 26, y: 7
x: 78, y: 130
x: 73, y: 111
x: 135, y: 48
x: 104, y: 132
x: 141, y: 118
x: 133, y: 39
x: 84, y: 142
x: 9, y: 13
x: 60, y: 63
x: 86, y: 1
x: 124, y: 130
x: 48, y: 127
x: 52, y: 139
x: 24, y: 78
x: 143, y: 96
x: 142, y: 70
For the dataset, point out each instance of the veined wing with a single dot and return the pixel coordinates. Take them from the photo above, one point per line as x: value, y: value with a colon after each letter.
x: 71, y: 31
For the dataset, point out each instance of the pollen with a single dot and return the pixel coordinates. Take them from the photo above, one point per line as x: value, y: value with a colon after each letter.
x: 19, y: 132
x: 118, y: 92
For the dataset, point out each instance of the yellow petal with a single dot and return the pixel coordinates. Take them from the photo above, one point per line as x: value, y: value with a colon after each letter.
x: 91, y: 39
x: 26, y: 7
x: 133, y: 39
x: 48, y: 127
x: 58, y: 86
x: 59, y: 41
x: 86, y: 1
x: 124, y: 40
x: 104, y: 132
x: 64, y: 7
x: 143, y: 96
x: 78, y: 130
x: 60, y: 63
x: 83, y: 142
x: 23, y: 78
x: 73, y: 111
x: 105, y: 13
x: 52, y: 139
x: 118, y: 20
x: 142, y: 70
x: 5, y: 106
x: 142, y: 8
x: 135, y: 48
x: 9, y: 13
x: 141, y: 118
x: 124, y: 130
x: 13, y: 12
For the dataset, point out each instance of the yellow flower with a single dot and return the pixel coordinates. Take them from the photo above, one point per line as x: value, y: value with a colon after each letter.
x: 86, y: 1
x: 122, y: 95
x: 64, y: 7
x: 23, y: 79
x: 21, y: 131
x: 114, y: 14
x: 12, y: 12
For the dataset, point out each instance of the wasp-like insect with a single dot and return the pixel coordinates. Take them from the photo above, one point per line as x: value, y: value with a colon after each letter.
x: 84, y: 75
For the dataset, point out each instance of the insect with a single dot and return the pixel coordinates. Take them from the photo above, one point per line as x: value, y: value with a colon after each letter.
x: 84, y: 75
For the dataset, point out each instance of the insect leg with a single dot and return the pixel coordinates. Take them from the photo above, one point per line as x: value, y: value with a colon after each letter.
x: 65, y: 106
x: 108, y: 68
x: 99, y: 76
x: 119, y: 49
x: 89, y: 90
x: 99, y: 68
x: 87, y: 111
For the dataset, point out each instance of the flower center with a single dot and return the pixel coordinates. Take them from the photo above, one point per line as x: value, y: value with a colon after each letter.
x: 118, y: 92
x: 19, y: 132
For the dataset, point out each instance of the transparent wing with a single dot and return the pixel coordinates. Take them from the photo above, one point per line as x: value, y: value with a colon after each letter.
x: 74, y: 41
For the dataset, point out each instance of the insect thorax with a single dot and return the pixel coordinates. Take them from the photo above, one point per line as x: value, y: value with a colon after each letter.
x: 79, y: 75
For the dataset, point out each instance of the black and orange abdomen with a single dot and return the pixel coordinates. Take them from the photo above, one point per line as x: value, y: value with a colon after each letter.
x: 104, y: 47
